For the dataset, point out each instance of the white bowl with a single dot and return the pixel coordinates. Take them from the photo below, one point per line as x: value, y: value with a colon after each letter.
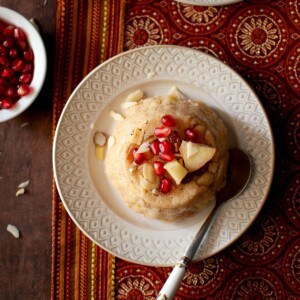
x: 40, y: 62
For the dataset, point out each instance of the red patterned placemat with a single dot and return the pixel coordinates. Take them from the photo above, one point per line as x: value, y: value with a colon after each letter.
x: 87, y: 33
x: 261, y: 41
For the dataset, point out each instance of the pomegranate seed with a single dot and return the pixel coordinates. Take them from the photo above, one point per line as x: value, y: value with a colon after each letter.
x: 14, y: 81
x: 22, y: 45
x: 11, y: 92
x: 4, y: 61
x: 7, y: 73
x: 191, y: 135
x: 165, y: 185
x: 18, y: 65
x: 166, y: 156
x: 25, y: 78
x: 162, y: 131
x: 154, y: 147
x: 28, y: 68
x: 174, y: 138
x: 13, y: 52
x: 3, y: 82
x: 168, y: 121
x: 23, y: 90
x: 166, y: 147
x: 6, y: 103
x: 19, y: 34
x: 28, y: 55
x: 3, y: 50
x: 138, y: 158
x: 9, y: 30
x: 159, y: 168
x: 8, y: 42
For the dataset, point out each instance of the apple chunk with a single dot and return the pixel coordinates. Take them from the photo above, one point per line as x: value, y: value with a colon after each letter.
x: 176, y: 170
x: 195, y: 156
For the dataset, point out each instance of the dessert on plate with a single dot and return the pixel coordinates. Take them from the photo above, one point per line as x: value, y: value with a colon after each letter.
x: 168, y: 156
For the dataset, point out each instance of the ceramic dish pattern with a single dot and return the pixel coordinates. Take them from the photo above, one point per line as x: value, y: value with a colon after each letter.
x: 87, y: 194
x: 209, y: 2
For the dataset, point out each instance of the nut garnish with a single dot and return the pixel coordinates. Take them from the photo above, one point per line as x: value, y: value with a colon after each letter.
x: 100, y: 139
x: 20, y: 192
x: 13, y: 230
x: 135, y: 96
x: 116, y: 116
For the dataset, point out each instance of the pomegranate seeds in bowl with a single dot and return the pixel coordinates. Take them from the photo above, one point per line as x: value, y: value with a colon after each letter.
x: 16, y: 65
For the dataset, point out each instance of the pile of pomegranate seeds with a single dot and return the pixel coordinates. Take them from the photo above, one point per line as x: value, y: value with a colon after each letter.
x: 165, y: 147
x: 16, y: 65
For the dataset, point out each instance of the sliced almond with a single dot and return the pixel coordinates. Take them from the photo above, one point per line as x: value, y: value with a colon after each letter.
x: 128, y: 104
x: 143, y: 148
x: 110, y: 142
x: 13, y: 230
x: 20, y: 192
x: 100, y: 139
x: 175, y: 94
x: 24, y: 184
x: 135, y: 96
x: 116, y: 116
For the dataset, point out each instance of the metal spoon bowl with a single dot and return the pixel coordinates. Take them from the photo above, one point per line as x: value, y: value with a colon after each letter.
x: 238, y: 175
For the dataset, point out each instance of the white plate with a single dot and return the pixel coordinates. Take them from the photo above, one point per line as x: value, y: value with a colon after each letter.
x: 208, y: 2
x: 40, y: 62
x: 88, y: 195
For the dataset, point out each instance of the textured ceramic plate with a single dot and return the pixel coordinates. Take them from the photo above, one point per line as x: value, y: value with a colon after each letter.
x: 209, y: 2
x: 88, y: 195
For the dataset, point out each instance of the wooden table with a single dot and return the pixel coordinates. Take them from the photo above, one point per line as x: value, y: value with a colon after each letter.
x: 25, y: 154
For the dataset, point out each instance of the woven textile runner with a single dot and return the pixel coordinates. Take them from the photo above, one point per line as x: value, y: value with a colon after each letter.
x: 87, y: 33
x: 260, y: 39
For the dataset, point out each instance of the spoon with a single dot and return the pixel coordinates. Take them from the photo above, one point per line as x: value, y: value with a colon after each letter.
x: 238, y: 174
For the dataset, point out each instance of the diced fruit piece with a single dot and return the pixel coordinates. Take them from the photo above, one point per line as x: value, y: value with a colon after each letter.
x: 165, y: 185
x: 99, y: 138
x: 176, y: 171
x: 168, y: 121
x: 162, y: 131
x: 159, y: 168
x: 135, y: 96
x: 154, y: 147
x: 138, y: 158
x: 137, y: 136
x: 206, y: 179
x: 191, y: 135
x: 148, y: 172
x: 166, y: 156
x: 191, y: 149
x: 116, y: 116
x: 100, y: 152
x: 166, y: 147
x: 199, y: 159
x: 23, y: 90
x: 6, y: 103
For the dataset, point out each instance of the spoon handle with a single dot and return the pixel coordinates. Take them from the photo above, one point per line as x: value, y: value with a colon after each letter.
x: 172, y: 284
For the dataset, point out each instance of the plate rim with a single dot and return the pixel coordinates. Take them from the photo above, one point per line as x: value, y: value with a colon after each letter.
x: 102, y: 65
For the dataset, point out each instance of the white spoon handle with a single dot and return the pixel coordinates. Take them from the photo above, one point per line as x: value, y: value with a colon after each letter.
x: 172, y: 284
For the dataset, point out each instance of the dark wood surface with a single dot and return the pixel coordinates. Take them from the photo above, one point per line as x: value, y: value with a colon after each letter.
x: 25, y: 154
